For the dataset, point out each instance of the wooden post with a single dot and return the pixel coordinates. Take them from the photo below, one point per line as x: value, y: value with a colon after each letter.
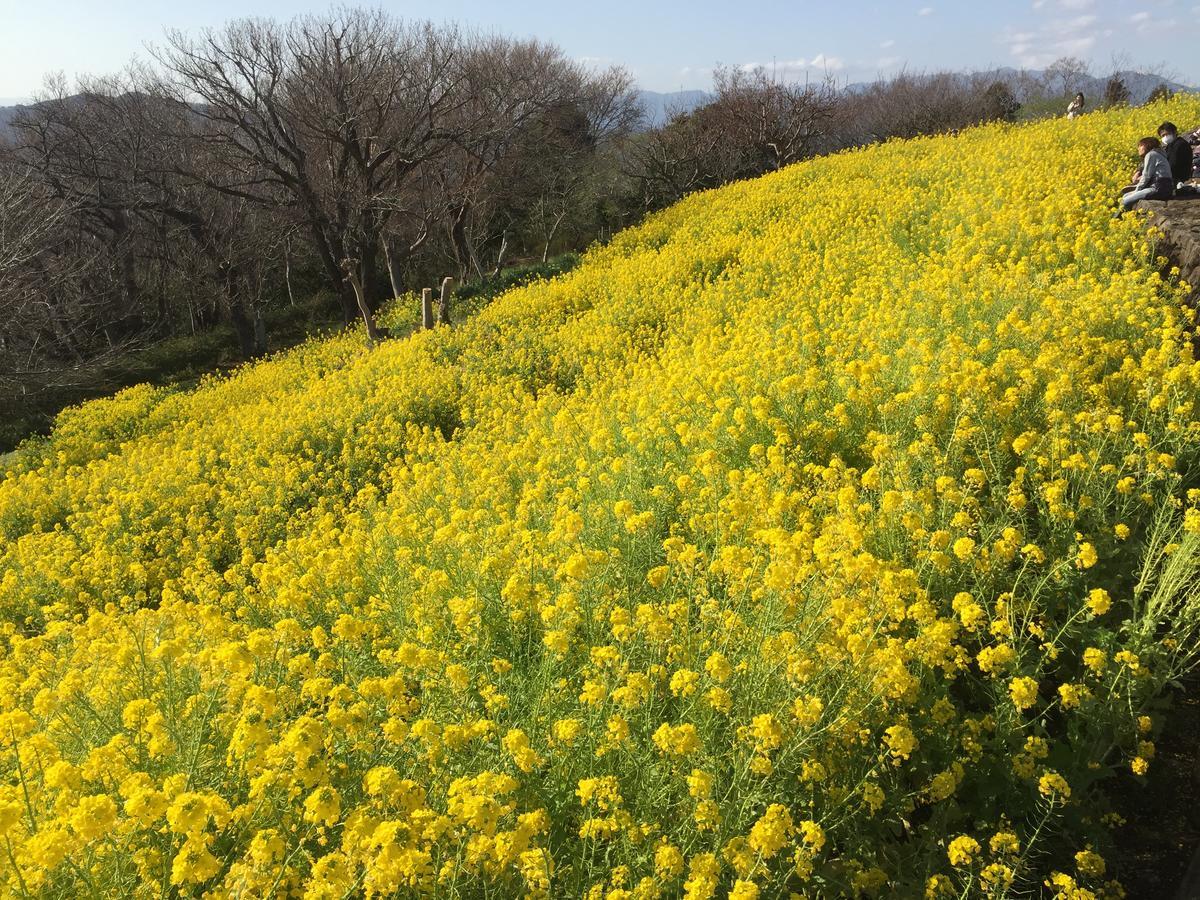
x: 427, y: 308
x: 444, y: 302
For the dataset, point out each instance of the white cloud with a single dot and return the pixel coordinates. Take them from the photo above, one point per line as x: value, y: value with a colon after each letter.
x: 1161, y: 25
x: 794, y: 68
x: 1068, y: 35
x: 886, y: 62
x: 888, y: 43
x: 925, y: 11
x: 1076, y: 46
x: 1147, y: 24
x: 832, y: 63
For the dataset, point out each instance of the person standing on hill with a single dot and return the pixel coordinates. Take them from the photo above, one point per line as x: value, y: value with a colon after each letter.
x: 1178, y: 153
x: 1075, y: 107
x: 1156, y: 182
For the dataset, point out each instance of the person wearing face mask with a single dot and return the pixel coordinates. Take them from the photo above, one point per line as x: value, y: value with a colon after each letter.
x: 1178, y: 153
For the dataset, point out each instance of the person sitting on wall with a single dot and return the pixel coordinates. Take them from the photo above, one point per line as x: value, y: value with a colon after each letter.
x: 1156, y: 182
x: 1178, y: 153
x: 1193, y: 140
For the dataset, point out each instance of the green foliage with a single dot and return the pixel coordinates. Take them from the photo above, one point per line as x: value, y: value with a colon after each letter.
x: 1115, y: 92
x: 480, y: 291
x: 1000, y: 102
x: 181, y: 361
x: 1160, y: 94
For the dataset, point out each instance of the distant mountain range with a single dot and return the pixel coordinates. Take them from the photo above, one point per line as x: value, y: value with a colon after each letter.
x: 659, y: 106
x: 6, y: 115
x: 1139, y: 84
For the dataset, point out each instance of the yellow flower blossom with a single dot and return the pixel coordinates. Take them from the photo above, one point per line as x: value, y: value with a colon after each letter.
x: 962, y: 850
x: 754, y: 528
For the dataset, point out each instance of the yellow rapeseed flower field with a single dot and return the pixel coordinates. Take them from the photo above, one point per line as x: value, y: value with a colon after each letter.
x: 829, y: 534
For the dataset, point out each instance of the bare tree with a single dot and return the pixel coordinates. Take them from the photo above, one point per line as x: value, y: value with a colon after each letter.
x: 54, y: 281
x: 31, y: 275
x: 688, y: 153
x: 1160, y: 92
x: 27, y: 223
x: 1000, y: 102
x: 756, y: 123
x: 777, y: 122
x: 352, y: 145
x: 69, y: 145
x: 552, y: 181
x: 1115, y: 91
x: 374, y: 100
x: 1066, y: 75
x: 135, y: 163
x: 912, y: 104
x: 509, y: 85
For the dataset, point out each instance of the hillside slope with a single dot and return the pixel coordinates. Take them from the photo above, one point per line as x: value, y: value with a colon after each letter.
x: 829, y: 533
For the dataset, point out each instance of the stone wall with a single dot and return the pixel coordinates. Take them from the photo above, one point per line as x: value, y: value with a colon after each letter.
x: 1179, y: 222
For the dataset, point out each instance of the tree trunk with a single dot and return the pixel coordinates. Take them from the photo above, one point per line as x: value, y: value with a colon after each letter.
x: 458, y: 244
x: 464, y: 248
x: 352, y: 268
x: 244, y: 329
x: 127, y: 262
x: 287, y: 271
x: 500, y: 254
x: 473, y: 254
x: 330, y: 253
x: 366, y: 273
x: 374, y: 336
x: 162, y: 326
x: 247, y: 322
x: 558, y: 220
x: 391, y: 255
x: 260, y: 332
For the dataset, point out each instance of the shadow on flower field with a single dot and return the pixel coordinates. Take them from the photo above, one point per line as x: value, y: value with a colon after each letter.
x: 1157, y: 850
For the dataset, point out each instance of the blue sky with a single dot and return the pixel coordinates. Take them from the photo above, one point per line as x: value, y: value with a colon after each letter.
x: 667, y: 45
